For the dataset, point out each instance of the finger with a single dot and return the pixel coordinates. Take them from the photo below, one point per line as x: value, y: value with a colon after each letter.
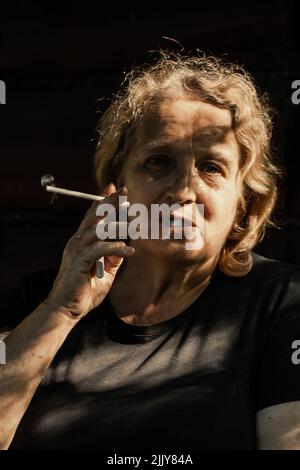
x: 110, y: 189
x: 112, y: 264
x: 91, y: 215
x: 102, y: 248
x: 104, y: 230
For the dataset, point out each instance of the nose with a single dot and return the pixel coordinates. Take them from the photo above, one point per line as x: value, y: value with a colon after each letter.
x: 182, y: 187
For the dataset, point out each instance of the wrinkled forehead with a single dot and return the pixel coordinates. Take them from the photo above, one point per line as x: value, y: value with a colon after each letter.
x: 181, y: 119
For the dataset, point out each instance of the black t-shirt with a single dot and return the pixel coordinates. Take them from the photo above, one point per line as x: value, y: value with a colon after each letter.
x: 192, y: 382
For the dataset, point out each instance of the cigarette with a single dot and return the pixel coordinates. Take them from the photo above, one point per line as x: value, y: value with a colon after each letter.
x: 68, y: 192
x: 47, y: 182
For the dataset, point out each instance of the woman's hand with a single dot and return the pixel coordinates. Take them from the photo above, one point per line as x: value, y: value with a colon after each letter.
x: 77, y: 290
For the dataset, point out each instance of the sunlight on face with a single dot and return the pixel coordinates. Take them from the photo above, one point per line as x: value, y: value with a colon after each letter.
x: 185, y: 151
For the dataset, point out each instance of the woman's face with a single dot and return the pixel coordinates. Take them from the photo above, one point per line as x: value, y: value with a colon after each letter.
x: 184, y: 151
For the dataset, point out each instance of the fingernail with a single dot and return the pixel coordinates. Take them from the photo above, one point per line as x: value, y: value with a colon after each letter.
x: 130, y: 250
x: 107, y: 189
x: 123, y: 190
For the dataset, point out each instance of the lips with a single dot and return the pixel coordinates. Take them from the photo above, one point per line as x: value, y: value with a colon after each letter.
x: 177, y: 220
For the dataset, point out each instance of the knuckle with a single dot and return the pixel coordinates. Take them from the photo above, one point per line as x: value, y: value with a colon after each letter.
x: 68, y: 245
x: 72, y: 243
x: 93, y: 228
x: 119, y: 245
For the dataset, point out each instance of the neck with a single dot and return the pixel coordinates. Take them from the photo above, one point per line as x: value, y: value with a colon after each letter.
x: 149, y: 290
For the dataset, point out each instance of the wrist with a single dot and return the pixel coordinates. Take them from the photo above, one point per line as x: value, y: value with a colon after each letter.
x: 60, y: 313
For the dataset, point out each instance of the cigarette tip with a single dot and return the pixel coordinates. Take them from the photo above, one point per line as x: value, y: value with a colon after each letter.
x: 47, y: 180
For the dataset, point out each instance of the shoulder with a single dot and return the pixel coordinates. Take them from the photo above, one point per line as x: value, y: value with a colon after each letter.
x: 273, y: 268
x: 276, y: 281
x: 266, y: 270
x: 279, y: 280
x: 276, y: 338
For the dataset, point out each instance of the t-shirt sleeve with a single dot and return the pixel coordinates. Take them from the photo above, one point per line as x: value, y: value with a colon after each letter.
x: 278, y: 370
x: 25, y: 297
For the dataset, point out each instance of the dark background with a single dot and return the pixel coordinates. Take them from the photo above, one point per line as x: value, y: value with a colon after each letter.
x: 61, y: 63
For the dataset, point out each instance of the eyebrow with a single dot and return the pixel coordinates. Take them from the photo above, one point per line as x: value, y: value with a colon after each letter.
x: 156, y: 143
x: 220, y: 157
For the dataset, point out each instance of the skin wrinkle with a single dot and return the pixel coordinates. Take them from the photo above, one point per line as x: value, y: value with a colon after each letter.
x: 196, y: 133
x: 189, y: 190
x: 227, y: 87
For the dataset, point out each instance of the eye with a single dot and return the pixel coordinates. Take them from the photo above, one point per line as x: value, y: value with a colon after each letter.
x: 210, y: 168
x: 158, y: 162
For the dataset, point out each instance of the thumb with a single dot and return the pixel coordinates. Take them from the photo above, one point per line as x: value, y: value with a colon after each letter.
x: 112, y: 264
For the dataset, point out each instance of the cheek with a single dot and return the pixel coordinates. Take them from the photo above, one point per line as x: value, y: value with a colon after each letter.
x: 138, y: 191
x: 141, y: 189
x: 221, y: 206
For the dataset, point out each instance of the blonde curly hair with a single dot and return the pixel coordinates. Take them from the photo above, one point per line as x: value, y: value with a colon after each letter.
x: 223, y: 84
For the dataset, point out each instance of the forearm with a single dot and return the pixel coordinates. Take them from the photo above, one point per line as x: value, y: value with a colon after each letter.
x: 30, y: 349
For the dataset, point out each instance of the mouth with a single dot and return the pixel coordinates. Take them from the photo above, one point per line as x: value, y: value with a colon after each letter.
x: 177, y: 220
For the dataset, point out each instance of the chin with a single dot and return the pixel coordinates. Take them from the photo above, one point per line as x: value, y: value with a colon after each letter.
x: 172, y: 250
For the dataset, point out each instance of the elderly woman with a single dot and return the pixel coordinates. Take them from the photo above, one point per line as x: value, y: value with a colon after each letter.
x: 172, y: 348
